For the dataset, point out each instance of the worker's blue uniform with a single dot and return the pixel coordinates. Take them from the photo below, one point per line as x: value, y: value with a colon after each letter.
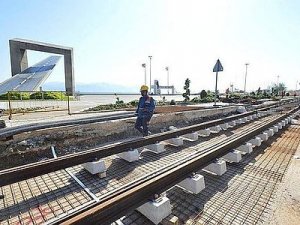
x: 144, y: 112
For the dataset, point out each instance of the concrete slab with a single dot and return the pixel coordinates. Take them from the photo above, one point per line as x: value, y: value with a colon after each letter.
x: 232, y: 124
x: 157, y: 148
x: 204, y: 133
x: 218, y: 167
x: 244, y: 119
x: 224, y: 126
x: 191, y: 137
x: 130, y: 156
x: 233, y: 156
x: 194, y: 184
x: 95, y: 167
x: 215, y: 129
x: 279, y: 126
x: 270, y: 132
x: 238, y: 121
x: 275, y: 128
x: 246, y: 148
x: 255, y: 141
x: 264, y: 136
x: 156, y: 210
x: 286, y: 121
x: 178, y: 141
x: 172, y: 128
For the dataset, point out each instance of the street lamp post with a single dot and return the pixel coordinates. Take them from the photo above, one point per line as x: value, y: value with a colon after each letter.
x: 167, y: 69
x: 246, y: 64
x: 150, y: 57
x: 145, y: 70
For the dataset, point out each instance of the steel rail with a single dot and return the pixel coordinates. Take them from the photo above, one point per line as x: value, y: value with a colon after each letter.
x: 112, y: 209
x: 161, y: 170
x: 23, y: 172
x: 201, y: 150
x: 10, y: 131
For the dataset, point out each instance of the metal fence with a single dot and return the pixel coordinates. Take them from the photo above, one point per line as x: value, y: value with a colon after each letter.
x: 14, y: 102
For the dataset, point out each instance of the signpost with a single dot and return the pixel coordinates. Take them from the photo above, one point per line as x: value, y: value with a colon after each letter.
x: 217, y: 68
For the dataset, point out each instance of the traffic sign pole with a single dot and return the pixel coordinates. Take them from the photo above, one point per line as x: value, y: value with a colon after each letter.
x: 218, y: 67
x: 216, y: 89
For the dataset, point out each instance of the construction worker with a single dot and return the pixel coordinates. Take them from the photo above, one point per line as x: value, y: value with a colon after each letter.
x: 144, y: 111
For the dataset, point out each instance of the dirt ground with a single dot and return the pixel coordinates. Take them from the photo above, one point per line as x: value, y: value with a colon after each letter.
x: 286, y: 206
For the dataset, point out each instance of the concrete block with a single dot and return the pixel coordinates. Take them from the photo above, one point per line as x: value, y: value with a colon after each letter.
x: 294, y: 122
x: 289, y: 119
x: 270, y: 132
x: 239, y: 121
x: 255, y: 141
x: 172, y: 128
x: 279, y: 126
x: 254, y: 116
x: 95, y: 167
x: 192, y: 136
x: 233, y: 156
x: 264, y: 136
x: 247, y: 148
x: 283, y: 123
x: 250, y: 118
x: 286, y: 121
x: 275, y: 128
x: 130, y: 156
x: 241, y: 109
x: 218, y: 167
x: 156, y: 210
x: 204, y: 133
x: 244, y: 119
x: 232, y: 123
x: 157, y: 147
x: 170, y: 220
x: 224, y: 126
x: 178, y: 141
x: 215, y: 129
x: 194, y: 184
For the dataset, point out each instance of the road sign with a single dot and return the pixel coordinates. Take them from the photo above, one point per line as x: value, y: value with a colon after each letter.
x: 218, y: 67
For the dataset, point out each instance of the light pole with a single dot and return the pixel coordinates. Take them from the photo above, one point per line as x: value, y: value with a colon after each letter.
x: 277, y: 84
x: 167, y: 69
x: 150, y: 57
x: 144, y: 66
x: 246, y: 64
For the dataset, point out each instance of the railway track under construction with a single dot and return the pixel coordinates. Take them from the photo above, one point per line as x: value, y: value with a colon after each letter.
x: 59, y: 190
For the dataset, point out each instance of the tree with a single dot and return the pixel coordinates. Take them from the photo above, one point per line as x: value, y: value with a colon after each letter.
x: 278, y: 89
x: 187, y: 92
x: 203, y: 94
x: 258, y: 92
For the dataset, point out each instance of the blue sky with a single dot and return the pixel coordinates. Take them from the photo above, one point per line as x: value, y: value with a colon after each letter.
x: 111, y: 39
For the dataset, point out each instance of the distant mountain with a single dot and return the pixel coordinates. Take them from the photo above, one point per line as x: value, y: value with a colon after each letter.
x: 97, y: 87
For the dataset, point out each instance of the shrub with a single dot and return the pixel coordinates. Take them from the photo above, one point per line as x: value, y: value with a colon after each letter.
x: 203, y: 94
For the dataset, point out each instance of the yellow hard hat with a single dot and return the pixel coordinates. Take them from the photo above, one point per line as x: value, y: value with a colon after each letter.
x: 144, y: 88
